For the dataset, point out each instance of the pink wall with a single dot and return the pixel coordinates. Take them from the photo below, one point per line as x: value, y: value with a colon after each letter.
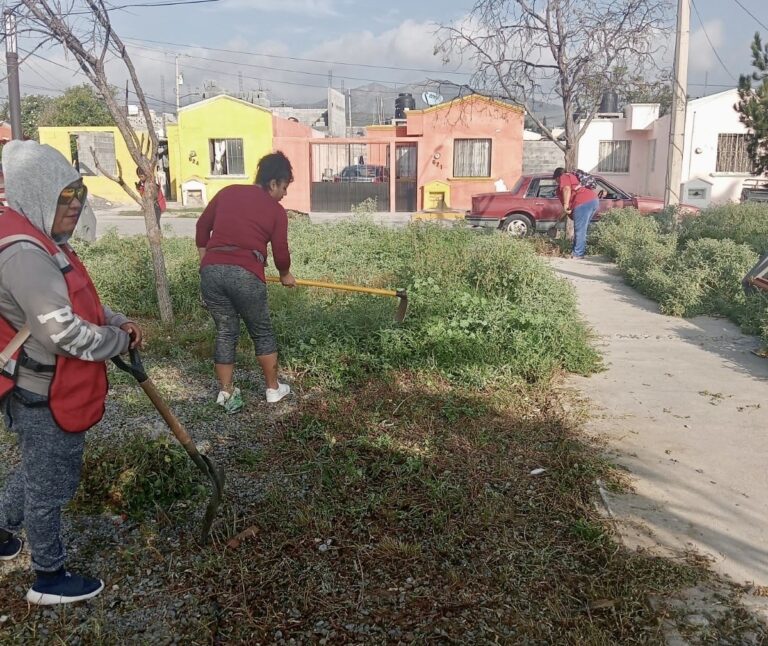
x: 293, y: 139
x: 473, y: 117
x: 434, y: 131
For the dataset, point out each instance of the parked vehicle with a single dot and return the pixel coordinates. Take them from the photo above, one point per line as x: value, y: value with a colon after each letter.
x: 754, y: 190
x: 363, y: 173
x: 532, y: 205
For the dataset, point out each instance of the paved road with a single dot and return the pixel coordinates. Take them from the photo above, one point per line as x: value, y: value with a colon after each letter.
x: 134, y: 225
x: 683, y: 406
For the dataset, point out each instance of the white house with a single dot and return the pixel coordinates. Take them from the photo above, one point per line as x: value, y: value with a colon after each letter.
x: 630, y: 149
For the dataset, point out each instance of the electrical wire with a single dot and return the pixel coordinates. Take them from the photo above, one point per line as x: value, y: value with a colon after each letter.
x: 297, y: 58
x: 751, y: 15
x: 706, y: 35
x: 265, y: 67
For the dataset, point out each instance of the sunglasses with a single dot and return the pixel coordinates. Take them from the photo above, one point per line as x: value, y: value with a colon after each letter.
x: 70, y: 193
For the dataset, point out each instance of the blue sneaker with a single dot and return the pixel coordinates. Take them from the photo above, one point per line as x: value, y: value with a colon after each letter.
x: 53, y: 588
x: 11, y: 548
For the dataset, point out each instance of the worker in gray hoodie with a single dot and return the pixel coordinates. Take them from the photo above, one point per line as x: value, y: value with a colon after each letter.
x: 55, y: 339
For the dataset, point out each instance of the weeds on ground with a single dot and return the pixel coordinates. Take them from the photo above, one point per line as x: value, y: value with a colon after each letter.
x: 481, y: 308
x: 409, y: 513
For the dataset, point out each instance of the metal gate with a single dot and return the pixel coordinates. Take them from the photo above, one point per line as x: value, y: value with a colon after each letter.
x: 348, y: 175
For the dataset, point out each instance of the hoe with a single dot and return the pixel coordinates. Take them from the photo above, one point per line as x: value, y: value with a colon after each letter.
x: 399, y: 293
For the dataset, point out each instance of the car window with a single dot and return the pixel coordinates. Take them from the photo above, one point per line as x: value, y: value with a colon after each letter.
x: 547, y: 188
x: 349, y: 171
x: 606, y: 192
x: 533, y: 188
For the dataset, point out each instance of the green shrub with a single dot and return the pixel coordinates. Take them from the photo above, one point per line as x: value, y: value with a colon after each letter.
x: 705, y: 278
x: 480, y: 307
x: 694, y: 268
x: 742, y: 223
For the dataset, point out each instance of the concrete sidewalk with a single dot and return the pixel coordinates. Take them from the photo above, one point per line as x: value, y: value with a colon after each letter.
x: 682, y: 405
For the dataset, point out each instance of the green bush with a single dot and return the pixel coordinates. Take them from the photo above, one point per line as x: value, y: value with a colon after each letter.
x: 742, y: 223
x: 480, y: 307
x: 694, y: 268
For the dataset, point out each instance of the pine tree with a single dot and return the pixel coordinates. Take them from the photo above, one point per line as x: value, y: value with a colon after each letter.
x: 753, y: 106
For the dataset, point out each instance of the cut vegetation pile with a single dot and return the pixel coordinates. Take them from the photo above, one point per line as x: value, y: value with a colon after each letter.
x: 427, y: 484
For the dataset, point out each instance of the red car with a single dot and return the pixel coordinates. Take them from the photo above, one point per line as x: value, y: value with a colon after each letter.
x: 532, y: 205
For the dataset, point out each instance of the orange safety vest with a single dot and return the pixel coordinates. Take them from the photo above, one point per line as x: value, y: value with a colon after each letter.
x: 78, y: 388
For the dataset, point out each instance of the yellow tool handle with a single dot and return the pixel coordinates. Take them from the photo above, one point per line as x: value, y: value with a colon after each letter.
x: 348, y: 288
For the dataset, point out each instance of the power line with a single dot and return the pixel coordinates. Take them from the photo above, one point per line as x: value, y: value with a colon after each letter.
x: 751, y: 15
x: 706, y: 35
x: 264, y: 67
x: 297, y: 58
x: 269, y: 80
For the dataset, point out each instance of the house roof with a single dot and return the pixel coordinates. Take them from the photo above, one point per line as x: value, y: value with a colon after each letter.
x: 223, y: 97
x: 714, y: 97
x: 470, y: 98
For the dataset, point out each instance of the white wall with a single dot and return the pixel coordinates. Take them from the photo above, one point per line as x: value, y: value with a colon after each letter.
x: 706, y: 118
x: 636, y: 180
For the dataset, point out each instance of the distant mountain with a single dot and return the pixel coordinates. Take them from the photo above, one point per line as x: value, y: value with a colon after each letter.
x: 375, y: 103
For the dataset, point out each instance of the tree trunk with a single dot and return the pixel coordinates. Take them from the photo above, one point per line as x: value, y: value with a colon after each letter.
x: 570, y: 164
x: 155, y: 237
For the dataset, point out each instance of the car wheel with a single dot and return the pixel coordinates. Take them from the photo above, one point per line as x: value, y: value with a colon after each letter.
x: 518, y: 226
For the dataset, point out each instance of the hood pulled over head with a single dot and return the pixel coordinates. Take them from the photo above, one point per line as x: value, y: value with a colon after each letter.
x: 35, y: 175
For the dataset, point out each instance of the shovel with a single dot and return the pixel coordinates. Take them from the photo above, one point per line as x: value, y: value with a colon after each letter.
x: 203, y: 462
x: 399, y: 293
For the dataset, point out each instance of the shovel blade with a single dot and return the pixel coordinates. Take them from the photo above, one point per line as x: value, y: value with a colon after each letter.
x: 216, y: 475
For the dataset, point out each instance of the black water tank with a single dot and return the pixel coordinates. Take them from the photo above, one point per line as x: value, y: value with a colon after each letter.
x: 609, y: 103
x: 403, y: 102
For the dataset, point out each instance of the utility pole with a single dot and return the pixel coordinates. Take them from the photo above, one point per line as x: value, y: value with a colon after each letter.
x: 679, y: 106
x: 12, y: 65
x: 179, y: 81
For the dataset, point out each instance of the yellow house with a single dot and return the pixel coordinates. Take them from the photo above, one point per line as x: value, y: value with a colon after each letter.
x: 217, y: 142
x: 76, y: 143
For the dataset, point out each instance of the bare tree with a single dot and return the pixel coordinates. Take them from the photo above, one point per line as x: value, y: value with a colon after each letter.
x: 85, y: 30
x: 529, y: 51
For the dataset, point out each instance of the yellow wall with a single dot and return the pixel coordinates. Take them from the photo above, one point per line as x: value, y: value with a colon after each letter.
x: 97, y: 184
x: 221, y: 117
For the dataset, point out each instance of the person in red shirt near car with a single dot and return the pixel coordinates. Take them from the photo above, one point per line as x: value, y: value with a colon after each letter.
x: 580, y: 204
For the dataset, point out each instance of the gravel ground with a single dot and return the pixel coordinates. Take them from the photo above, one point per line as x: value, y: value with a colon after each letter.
x: 150, y: 596
x: 153, y: 593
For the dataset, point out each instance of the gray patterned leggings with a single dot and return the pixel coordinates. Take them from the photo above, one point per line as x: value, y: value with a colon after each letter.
x: 231, y: 292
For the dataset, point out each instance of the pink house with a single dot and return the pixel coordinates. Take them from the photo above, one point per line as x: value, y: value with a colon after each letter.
x: 435, y: 158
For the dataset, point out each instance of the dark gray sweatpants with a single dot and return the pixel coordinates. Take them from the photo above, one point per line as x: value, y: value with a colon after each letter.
x: 231, y: 292
x: 44, y: 482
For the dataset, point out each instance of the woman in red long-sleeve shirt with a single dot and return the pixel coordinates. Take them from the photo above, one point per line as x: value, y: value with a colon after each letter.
x: 232, y: 237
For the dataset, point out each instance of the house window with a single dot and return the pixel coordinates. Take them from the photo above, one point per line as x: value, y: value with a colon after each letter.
x: 92, y: 147
x: 227, y: 157
x: 472, y: 158
x: 652, y: 154
x: 614, y: 156
x: 732, y: 156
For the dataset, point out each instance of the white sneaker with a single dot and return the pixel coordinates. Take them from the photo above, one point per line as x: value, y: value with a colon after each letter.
x: 274, y: 395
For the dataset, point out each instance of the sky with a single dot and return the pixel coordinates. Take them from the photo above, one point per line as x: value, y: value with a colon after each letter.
x: 357, y: 41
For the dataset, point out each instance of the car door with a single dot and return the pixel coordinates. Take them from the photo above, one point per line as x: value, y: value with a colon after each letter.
x: 543, y: 192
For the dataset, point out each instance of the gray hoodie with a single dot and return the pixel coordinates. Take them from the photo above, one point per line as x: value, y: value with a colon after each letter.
x: 32, y: 287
